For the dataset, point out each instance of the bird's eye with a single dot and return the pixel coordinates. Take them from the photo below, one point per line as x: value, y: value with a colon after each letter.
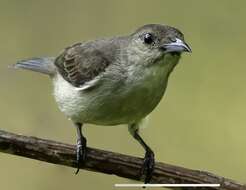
x: 148, y: 38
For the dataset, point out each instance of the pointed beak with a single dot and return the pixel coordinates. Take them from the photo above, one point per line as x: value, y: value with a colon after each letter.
x: 177, y: 46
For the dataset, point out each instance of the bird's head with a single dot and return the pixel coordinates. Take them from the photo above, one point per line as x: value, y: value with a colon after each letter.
x: 153, y: 42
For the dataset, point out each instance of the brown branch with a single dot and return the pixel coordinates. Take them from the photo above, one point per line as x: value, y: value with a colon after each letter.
x: 107, y: 162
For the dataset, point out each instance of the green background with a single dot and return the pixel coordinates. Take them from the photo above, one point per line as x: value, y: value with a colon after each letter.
x: 199, y: 124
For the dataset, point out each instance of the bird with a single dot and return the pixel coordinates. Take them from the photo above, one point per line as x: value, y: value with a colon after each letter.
x: 113, y: 81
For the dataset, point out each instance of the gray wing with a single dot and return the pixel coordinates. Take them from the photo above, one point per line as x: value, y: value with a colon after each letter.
x: 81, y: 63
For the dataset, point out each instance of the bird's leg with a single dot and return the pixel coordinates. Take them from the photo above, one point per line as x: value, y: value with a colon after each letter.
x: 149, y: 160
x: 81, y: 146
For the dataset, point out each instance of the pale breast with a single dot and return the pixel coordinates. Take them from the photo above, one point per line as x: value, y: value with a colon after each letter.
x: 114, y: 101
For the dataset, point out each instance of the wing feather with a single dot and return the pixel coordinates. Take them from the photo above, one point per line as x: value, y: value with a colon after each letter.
x: 81, y: 63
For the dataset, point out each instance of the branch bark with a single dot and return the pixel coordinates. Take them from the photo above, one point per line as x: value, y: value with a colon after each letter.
x: 107, y: 162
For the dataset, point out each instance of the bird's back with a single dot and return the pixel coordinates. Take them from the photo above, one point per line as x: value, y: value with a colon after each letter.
x: 82, y: 62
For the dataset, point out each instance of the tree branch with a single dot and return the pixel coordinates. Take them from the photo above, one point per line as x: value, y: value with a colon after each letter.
x: 107, y: 162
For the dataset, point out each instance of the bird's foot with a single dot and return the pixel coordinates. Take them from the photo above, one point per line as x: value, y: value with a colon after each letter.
x: 148, y: 166
x: 80, y: 153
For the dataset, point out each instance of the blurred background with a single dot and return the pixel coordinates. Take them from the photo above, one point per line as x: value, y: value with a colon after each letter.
x: 199, y: 124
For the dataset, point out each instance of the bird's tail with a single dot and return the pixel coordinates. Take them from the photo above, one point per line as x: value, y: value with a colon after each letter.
x: 42, y: 65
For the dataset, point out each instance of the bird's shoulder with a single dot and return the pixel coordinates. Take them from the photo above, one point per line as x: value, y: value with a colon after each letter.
x: 80, y: 63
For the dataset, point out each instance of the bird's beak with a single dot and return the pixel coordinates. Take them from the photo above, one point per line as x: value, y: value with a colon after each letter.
x: 177, y: 46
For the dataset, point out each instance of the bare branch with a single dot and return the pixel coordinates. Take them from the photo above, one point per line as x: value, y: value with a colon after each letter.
x: 107, y: 162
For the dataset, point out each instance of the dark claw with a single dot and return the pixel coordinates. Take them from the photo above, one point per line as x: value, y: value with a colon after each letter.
x: 80, y: 153
x: 148, y: 166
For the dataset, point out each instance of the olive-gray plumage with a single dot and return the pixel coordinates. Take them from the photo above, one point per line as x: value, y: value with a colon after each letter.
x: 114, y: 81
x: 82, y: 62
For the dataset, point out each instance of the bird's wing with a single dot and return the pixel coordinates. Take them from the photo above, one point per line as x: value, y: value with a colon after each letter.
x: 81, y: 63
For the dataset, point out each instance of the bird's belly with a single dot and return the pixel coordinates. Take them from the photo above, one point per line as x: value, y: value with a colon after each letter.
x: 115, y: 103
x: 120, y: 106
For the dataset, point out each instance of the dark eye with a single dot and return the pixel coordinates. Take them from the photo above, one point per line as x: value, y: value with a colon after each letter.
x: 148, y: 38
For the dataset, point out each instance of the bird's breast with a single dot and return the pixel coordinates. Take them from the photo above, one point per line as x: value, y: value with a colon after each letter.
x: 146, y: 89
x: 114, y: 101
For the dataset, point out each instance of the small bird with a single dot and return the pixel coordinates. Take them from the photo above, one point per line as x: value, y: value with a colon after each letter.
x: 113, y: 81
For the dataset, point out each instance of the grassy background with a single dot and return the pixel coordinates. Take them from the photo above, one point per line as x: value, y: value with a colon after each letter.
x: 199, y: 124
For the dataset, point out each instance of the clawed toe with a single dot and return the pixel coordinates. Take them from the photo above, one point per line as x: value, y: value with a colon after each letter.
x: 80, y: 152
x: 148, y: 166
